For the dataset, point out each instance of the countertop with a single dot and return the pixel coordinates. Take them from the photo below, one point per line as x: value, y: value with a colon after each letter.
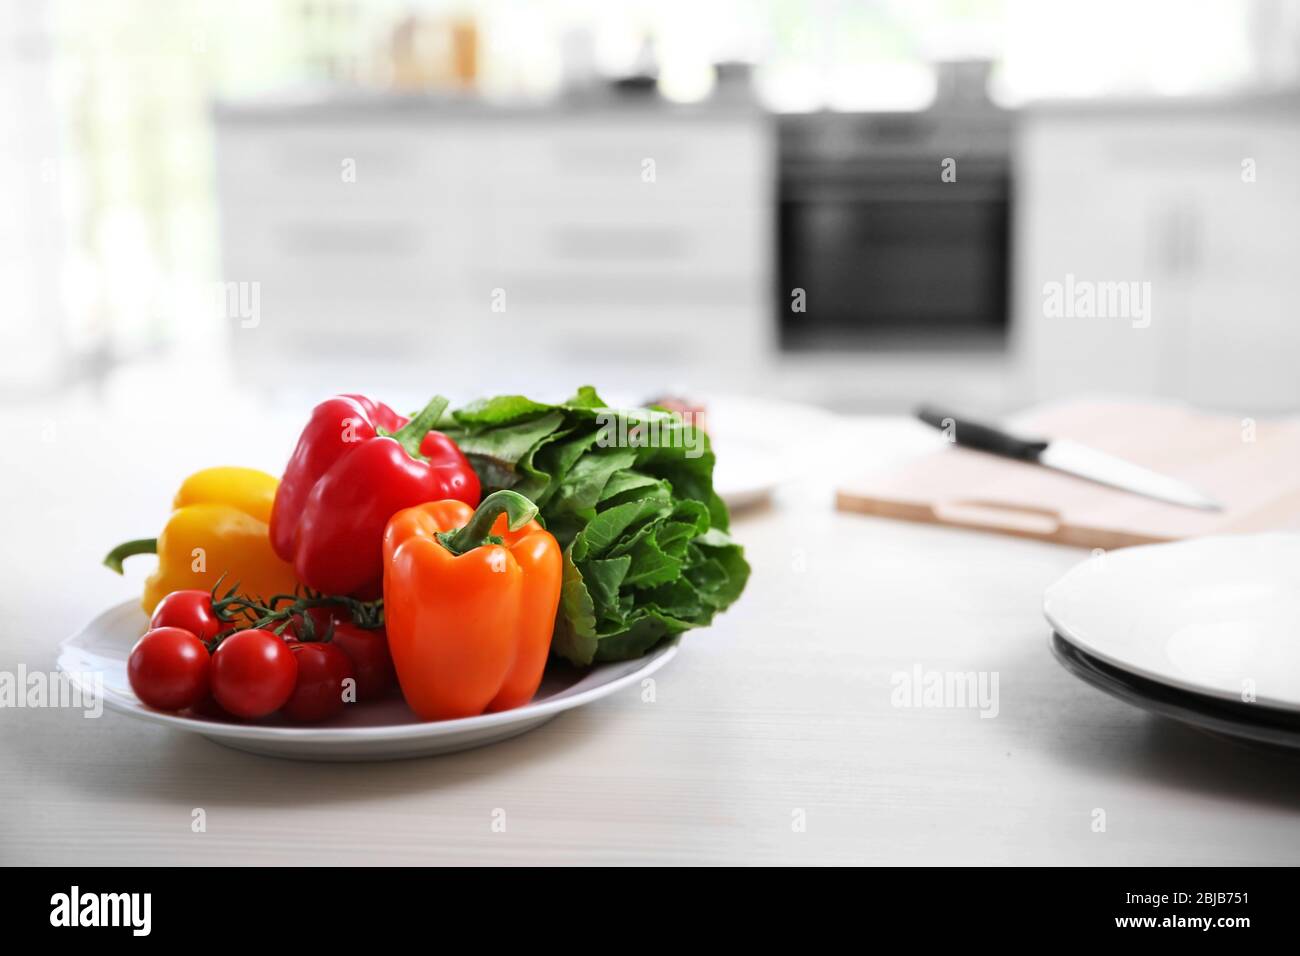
x: 772, y: 738
x: 357, y: 104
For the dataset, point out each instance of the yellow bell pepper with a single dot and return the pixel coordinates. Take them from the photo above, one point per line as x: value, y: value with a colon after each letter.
x: 218, y: 527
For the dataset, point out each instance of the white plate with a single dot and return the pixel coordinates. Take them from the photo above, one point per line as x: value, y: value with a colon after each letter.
x: 762, y: 444
x: 744, y: 476
x: 1250, y: 722
x: 1218, y: 616
x: 383, y: 730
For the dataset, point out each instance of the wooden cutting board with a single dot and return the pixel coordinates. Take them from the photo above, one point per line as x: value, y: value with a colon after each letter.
x: 1252, y: 467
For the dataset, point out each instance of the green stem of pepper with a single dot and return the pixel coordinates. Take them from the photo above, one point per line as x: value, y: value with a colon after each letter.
x: 478, y: 530
x: 411, y: 435
x: 126, y: 549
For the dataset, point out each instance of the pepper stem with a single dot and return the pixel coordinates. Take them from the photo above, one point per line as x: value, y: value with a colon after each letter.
x: 478, y: 530
x: 124, y: 550
x: 411, y: 435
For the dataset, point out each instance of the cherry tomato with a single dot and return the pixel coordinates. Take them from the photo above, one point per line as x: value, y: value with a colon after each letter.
x: 189, y: 610
x: 169, y: 669
x: 368, y: 651
x: 253, y: 673
x: 320, y: 621
x: 322, y: 669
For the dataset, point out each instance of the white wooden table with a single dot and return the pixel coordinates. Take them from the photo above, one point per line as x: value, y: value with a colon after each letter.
x: 772, y: 738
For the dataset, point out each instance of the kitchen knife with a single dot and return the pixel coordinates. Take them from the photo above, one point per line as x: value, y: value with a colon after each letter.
x: 1071, y: 458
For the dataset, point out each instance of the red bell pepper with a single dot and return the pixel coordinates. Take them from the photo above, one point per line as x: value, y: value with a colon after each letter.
x: 356, y: 465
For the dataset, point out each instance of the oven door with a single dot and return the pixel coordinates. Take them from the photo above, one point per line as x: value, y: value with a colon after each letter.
x: 887, y: 261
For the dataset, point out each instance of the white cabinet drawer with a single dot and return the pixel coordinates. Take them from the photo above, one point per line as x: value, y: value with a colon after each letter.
x: 358, y: 252
x: 639, y: 164
x: 361, y: 165
x: 658, y: 244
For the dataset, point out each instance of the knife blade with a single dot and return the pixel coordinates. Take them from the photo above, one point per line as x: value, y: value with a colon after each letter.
x: 1070, y: 458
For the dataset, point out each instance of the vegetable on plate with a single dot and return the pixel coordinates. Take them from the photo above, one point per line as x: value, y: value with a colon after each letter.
x: 628, y: 494
x: 321, y: 689
x: 470, y: 599
x: 373, y: 561
x: 366, y: 645
x: 200, y: 612
x: 357, y: 463
x: 254, y: 673
x: 218, y: 528
x: 169, y: 669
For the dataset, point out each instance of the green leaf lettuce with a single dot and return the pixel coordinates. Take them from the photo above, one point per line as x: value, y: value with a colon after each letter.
x: 628, y: 493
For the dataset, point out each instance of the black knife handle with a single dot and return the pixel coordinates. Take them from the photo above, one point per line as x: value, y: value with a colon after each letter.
x: 971, y: 434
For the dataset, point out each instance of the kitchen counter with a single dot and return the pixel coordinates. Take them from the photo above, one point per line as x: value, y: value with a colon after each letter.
x: 349, y: 104
x: 771, y: 738
x: 1284, y: 101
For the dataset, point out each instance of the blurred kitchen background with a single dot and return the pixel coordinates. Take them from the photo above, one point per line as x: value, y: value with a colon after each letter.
x: 854, y: 204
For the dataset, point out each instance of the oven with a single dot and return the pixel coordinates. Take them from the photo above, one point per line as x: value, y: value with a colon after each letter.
x: 876, y: 249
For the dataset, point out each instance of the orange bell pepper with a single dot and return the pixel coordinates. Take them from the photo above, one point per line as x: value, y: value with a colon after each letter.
x: 469, y: 599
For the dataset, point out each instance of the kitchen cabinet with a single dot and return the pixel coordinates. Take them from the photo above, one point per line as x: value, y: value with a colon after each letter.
x: 641, y: 233
x: 1156, y: 195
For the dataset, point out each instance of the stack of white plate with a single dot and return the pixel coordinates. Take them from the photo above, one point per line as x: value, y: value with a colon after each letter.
x: 1205, y: 631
